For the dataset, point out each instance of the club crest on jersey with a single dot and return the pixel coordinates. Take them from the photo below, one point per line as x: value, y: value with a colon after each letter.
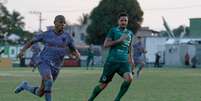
x: 63, y: 39
x: 104, y: 78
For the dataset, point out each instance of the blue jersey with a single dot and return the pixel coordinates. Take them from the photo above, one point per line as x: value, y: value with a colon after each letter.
x: 55, y: 46
x: 138, y: 49
x: 35, y: 48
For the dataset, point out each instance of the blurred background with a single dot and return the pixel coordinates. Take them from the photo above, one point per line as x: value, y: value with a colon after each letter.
x: 167, y: 31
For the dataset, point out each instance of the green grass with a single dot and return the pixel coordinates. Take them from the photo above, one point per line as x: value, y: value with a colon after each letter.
x: 77, y: 84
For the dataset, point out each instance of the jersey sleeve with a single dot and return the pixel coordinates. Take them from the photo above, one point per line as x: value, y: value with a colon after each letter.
x: 38, y: 37
x: 132, y: 34
x: 70, y: 42
x: 110, y: 34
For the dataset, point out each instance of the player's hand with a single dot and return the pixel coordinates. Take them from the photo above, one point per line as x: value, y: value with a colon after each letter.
x: 133, y: 65
x: 123, y: 37
x: 133, y: 68
x: 75, y: 55
x: 131, y: 62
x: 21, y: 54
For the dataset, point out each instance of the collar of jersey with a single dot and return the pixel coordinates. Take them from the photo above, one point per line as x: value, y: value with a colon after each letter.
x: 122, y: 30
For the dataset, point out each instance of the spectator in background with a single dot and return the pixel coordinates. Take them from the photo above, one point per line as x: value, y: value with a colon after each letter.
x: 157, y: 59
x: 187, y: 59
x: 194, y: 61
x: 73, y: 34
x: 2, y: 51
x: 90, y: 56
x: 22, y: 62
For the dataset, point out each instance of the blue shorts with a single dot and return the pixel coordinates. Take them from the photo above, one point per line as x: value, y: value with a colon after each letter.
x: 35, y: 60
x: 138, y: 60
x: 46, y: 69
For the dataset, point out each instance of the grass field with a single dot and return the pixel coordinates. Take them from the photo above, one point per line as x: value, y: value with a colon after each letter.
x: 76, y: 84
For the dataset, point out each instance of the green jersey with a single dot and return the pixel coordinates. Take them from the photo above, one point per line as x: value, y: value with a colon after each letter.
x: 90, y: 52
x: 119, y: 52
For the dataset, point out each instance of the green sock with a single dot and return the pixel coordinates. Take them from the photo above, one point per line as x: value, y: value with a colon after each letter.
x: 139, y: 69
x: 96, y: 91
x: 124, y: 87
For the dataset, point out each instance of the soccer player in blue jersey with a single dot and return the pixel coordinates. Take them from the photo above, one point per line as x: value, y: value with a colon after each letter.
x: 119, y: 58
x: 56, y: 42
x: 138, y: 55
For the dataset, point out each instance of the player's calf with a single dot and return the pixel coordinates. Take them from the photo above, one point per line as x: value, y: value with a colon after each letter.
x: 97, y: 90
x: 124, y: 87
x: 48, y: 88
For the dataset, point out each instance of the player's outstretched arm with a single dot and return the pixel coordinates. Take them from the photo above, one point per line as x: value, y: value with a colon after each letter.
x: 75, y: 54
x: 26, y: 46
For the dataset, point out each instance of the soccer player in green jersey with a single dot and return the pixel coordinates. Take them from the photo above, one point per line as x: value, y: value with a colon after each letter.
x: 119, y: 58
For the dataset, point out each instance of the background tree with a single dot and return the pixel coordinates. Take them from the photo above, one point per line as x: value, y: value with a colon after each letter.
x: 83, y: 20
x: 4, y: 19
x: 104, y: 16
x: 12, y: 23
x: 177, y: 31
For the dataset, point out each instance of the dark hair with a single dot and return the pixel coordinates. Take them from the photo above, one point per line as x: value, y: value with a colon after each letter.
x: 139, y: 37
x: 59, y: 17
x: 122, y: 14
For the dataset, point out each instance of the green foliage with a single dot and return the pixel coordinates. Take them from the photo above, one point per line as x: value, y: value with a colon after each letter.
x: 83, y: 19
x: 164, y: 33
x: 12, y: 23
x: 105, y: 16
x: 177, y: 31
x: 187, y: 31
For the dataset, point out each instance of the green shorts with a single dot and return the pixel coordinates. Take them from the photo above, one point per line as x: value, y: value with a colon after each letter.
x: 110, y: 68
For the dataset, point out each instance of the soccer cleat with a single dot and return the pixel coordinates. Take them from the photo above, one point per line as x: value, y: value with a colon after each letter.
x: 20, y: 87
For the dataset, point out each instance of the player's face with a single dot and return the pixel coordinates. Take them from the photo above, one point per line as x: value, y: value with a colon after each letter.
x: 123, y: 21
x: 59, y: 25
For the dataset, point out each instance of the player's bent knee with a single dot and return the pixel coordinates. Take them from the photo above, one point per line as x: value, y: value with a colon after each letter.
x: 47, y: 77
x: 103, y: 85
x: 128, y: 77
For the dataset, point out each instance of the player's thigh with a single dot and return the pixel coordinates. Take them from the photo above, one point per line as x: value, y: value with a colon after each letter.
x: 142, y: 63
x: 109, y: 70
x: 45, y: 71
x: 137, y: 60
x: 55, y: 72
x: 124, y: 67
